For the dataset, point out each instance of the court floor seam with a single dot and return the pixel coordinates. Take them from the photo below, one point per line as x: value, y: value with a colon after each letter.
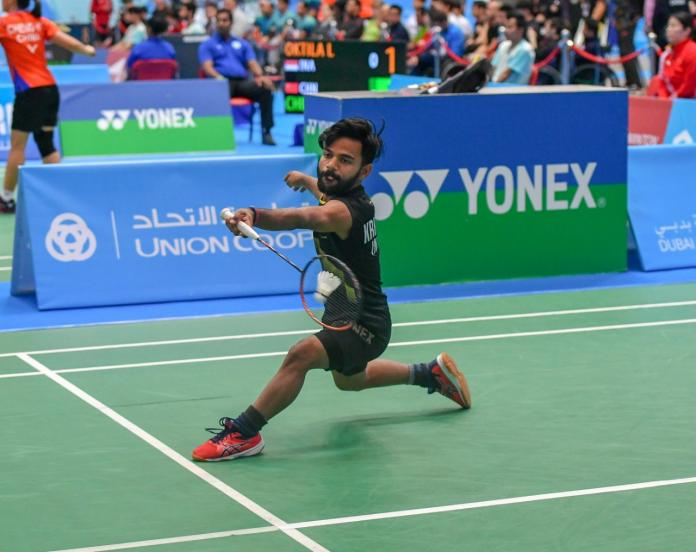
x: 514, y: 316
x: 170, y: 453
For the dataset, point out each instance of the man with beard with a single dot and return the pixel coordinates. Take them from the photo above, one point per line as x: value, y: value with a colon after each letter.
x: 344, y: 227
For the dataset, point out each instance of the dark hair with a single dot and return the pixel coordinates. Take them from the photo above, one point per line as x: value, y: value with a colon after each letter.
x: 190, y: 7
x: 591, y: 25
x: 355, y: 128
x: 157, y: 24
x: 520, y: 20
x: 685, y: 19
x: 228, y: 12
x: 397, y: 8
x: 438, y: 17
x: 36, y: 10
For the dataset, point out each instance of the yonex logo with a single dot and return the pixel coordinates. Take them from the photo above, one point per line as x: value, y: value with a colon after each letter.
x: 416, y: 203
x: 684, y: 137
x: 69, y: 239
x: 115, y: 119
x: 501, y: 188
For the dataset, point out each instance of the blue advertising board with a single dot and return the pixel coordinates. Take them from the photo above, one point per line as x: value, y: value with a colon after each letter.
x: 662, y: 205
x: 147, y: 231
x: 69, y: 74
x: 515, y: 178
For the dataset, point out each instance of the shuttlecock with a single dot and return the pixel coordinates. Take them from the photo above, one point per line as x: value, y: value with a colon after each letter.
x: 326, y: 285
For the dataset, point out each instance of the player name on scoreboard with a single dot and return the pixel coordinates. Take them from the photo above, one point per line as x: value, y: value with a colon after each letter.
x: 312, y: 66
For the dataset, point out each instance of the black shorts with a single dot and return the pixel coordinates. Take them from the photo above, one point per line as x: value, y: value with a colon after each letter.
x: 36, y: 108
x: 349, y: 351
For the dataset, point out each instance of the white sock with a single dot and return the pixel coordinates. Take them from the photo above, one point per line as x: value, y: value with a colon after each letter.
x: 7, y: 195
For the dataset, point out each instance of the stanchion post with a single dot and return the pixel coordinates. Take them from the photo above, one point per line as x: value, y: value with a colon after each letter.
x: 652, y: 38
x: 565, y: 45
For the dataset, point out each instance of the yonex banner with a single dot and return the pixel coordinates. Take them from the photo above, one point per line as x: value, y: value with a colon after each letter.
x: 502, y: 184
x: 146, y: 117
x: 147, y: 231
x: 662, y: 205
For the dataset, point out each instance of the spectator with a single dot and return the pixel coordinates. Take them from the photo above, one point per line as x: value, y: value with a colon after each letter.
x: 456, y: 17
x: 412, y: 21
x: 550, y: 37
x: 424, y: 64
x: 397, y: 32
x: 351, y: 26
x: 526, y: 9
x: 479, y: 40
x: 375, y: 28
x: 625, y: 18
x: 161, y: 9
x: 101, y: 14
x: 225, y: 56
x: 264, y: 23
x: 241, y: 26
x: 328, y: 25
x: 283, y: 16
x: 513, y: 60
x: 123, y: 18
x: 677, y: 74
x: 154, y: 47
x: 187, y: 16
x: 306, y: 18
x: 136, y: 31
x: 211, y: 10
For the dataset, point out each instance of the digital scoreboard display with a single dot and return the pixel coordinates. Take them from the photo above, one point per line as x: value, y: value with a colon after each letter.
x: 312, y: 66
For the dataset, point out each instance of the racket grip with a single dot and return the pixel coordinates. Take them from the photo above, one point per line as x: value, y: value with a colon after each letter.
x: 247, y: 230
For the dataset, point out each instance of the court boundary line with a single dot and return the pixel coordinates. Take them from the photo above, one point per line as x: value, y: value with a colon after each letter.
x: 538, y: 314
x: 485, y: 337
x: 398, y: 514
x: 170, y: 453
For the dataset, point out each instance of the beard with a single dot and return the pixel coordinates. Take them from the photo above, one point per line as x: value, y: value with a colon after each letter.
x: 331, y: 184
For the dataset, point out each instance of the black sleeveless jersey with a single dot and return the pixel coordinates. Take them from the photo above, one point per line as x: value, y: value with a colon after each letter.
x: 361, y: 253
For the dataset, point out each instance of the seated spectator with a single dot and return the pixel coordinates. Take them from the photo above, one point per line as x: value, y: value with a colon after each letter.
x: 550, y: 37
x: 397, y: 32
x: 306, y: 18
x: 211, y: 10
x: 456, y: 17
x: 375, y: 28
x: 283, y: 17
x: 101, y: 14
x: 161, y: 8
x: 241, y: 24
x: 154, y: 47
x: 136, y: 32
x: 412, y: 25
x: 479, y: 40
x: 264, y: 23
x: 424, y: 64
x: 187, y: 16
x: 327, y: 27
x: 225, y: 56
x: 676, y: 77
x: 514, y: 58
x: 351, y: 26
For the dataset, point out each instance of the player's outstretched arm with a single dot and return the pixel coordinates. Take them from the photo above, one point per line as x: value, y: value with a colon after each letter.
x: 299, y: 182
x: 334, y: 216
x: 69, y: 43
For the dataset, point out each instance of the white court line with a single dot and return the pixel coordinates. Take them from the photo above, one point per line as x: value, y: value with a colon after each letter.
x: 582, y: 329
x: 5, y: 268
x: 175, y: 456
x: 398, y: 514
x: 395, y: 325
x: 5, y: 257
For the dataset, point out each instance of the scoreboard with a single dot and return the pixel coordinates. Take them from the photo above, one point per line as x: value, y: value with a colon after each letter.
x: 312, y: 66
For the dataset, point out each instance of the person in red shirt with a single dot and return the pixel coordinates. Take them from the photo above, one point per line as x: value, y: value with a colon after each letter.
x: 22, y: 35
x: 677, y: 75
x: 101, y: 14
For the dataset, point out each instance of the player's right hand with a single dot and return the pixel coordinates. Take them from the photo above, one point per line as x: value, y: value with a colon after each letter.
x: 296, y: 180
x: 240, y: 215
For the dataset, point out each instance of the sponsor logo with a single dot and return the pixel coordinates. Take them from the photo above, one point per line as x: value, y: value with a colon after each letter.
x: 300, y: 66
x: 684, y: 137
x: 501, y: 188
x: 316, y: 126
x: 147, y: 119
x: 70, y: 239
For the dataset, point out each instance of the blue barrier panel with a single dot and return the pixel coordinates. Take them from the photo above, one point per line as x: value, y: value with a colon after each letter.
x: 681, y: 128
x: 662, y: 205
x: 146, y: 231
x: 69, y: 74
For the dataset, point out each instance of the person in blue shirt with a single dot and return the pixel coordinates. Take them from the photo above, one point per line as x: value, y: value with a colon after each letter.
x: 154, y: 47
x: 450, y: 34
x: 514, y: 58
x: 224, y: 56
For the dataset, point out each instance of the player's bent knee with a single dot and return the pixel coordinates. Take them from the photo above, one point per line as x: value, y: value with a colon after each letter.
x: 346, y: 383
x: 44, y: 141
x: 304, y: 356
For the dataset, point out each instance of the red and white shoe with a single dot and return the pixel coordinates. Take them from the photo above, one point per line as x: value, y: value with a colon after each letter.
x: 228, y: 444
x: 449, y: 381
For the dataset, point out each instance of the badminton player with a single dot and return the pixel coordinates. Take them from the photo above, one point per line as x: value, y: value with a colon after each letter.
x: 344, y: 227
x: 22, y: 35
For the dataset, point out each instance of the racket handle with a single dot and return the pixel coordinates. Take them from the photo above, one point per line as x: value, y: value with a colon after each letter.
x: 244, y: 228
x: 247, y: 230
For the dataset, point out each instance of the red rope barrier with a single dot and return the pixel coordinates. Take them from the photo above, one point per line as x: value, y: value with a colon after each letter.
x: 604, y: 61
x: 418, y: 50
x: 548, y: 59
x: 453, y: 56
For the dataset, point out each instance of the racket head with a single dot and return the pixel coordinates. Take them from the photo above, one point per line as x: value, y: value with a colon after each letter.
x: 342, y: 298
